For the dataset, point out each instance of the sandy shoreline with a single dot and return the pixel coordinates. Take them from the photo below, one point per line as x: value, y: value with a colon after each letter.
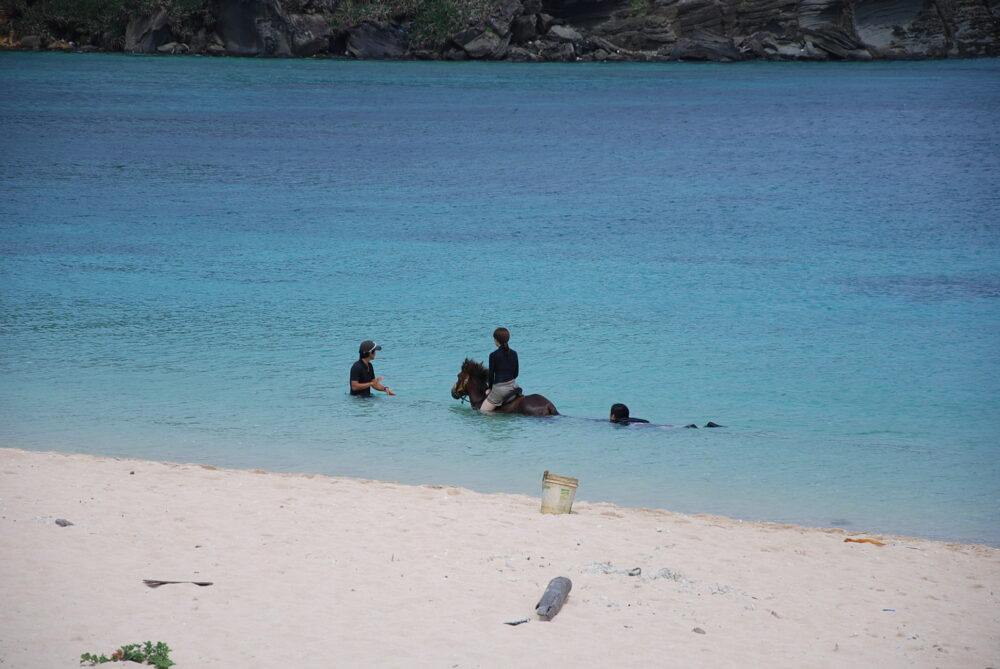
x: 313, y: 571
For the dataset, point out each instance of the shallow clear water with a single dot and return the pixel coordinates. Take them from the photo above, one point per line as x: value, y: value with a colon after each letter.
x: 192, y: 250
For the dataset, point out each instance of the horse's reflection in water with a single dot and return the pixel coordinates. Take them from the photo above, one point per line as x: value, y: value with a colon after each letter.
x: 471, y: 383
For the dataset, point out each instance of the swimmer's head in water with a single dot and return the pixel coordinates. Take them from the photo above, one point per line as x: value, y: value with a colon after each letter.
x: 618, y: 412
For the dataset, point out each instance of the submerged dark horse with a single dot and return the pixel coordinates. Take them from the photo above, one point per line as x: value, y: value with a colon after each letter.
x: 472, y: 383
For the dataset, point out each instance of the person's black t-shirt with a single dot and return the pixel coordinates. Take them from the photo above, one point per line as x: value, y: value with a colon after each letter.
x: 362, y: 372
x: 628, y: 421
x: 503, y: 366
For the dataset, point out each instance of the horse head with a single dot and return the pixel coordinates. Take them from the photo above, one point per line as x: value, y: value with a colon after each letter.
x: 473, y: 373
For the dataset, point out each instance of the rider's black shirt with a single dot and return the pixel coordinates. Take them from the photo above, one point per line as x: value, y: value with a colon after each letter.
x: 629, y: 420
x: 362, y: 372
x: 503, y: 366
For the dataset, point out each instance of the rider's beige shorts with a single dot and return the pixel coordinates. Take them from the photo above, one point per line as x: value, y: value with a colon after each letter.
x: 501, y: 392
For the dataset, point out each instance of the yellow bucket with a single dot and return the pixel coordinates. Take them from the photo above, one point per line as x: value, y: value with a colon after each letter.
x: 558, y: 493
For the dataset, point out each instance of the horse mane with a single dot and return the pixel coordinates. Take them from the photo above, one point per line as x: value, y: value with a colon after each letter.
x: 474, y: 369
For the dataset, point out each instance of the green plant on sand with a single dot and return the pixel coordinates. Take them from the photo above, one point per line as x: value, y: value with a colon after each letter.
x: 147, y: 653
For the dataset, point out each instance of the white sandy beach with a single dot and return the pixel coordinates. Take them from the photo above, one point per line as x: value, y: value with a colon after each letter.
x: 312, y: 571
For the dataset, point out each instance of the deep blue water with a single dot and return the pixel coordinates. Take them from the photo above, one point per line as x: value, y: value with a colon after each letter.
x: 192, y: 250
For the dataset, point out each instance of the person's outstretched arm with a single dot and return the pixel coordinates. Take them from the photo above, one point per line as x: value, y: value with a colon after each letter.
x: 377, y: 385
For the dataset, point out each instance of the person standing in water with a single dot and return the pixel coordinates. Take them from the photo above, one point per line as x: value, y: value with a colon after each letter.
x: 363, y: 377
x: 501, y: 381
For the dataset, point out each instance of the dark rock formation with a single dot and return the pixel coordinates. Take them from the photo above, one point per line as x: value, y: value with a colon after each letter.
x: 373, y: 39
x: 524, y: 29
x: 310, y: 34
x: 482, y: 43
x: 252, y: 27
x: 146, y: 33
x: 567, y: 30
x: 32, y: 42
x: 704, y: 45
x: 503, y: 14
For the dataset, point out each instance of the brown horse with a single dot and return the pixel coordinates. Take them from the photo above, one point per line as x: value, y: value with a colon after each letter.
x: 472, y: 383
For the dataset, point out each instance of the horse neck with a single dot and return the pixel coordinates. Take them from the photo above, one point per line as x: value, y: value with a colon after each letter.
x: 477, y: 393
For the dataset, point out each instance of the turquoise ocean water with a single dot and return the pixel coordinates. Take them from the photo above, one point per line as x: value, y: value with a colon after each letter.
x: 192, y: 249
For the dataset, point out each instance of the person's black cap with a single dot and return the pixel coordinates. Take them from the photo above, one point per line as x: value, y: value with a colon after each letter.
x: 367, y: 346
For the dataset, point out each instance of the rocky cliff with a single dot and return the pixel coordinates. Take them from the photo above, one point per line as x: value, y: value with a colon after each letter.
x: 554, y: 30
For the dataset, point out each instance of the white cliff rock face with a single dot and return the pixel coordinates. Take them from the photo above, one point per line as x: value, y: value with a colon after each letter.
x: 810, y: 29
x: 564, y: 34
x: 729, y: 30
